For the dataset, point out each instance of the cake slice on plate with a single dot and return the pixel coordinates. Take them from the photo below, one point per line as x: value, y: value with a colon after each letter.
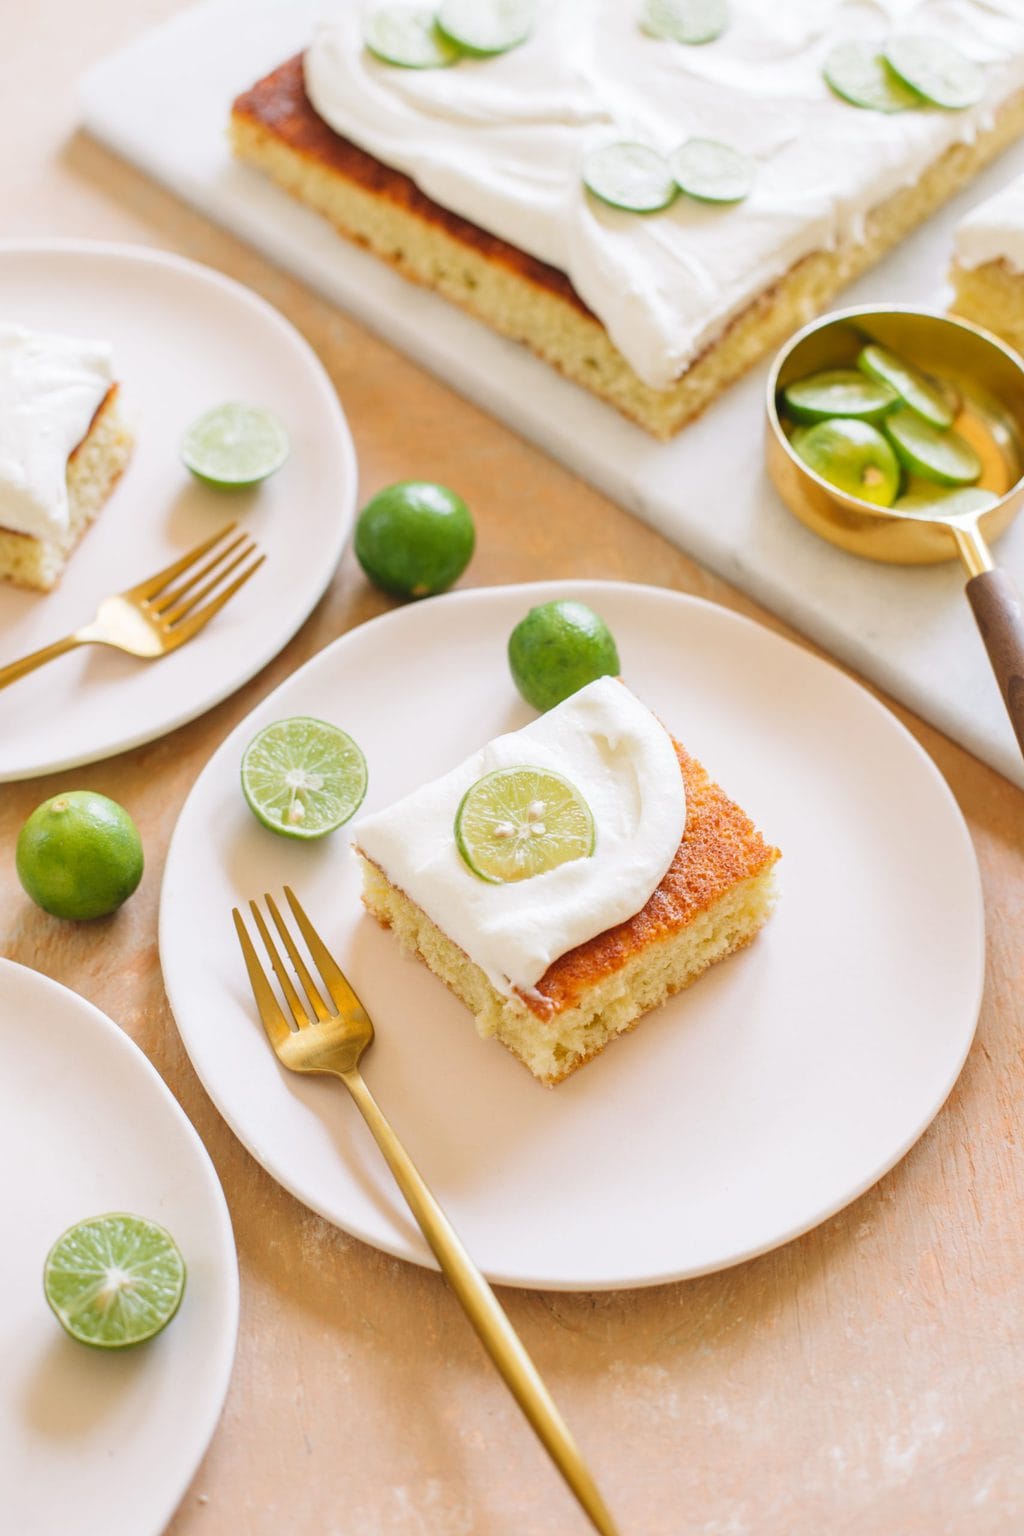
x: 666, y: 876
x: 63, y: 446
x: 988, y: 265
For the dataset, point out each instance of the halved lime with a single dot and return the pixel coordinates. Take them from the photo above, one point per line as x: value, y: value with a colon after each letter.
x: 515, y: 823
x: 408, y: 35
x: 854, y: 457
x: 114, y: 1280
x: 303, y: 777
x: 914, y: 388
x: 945, y: 457
x: 630, y: 176
x: 936, y: 70
x: 235, y: 445
x: 486, y: 26
x: 685, y: 21
x: 712, y: 172
x: 838, y: 392
x: 935, y: 502
x: 858, y: 73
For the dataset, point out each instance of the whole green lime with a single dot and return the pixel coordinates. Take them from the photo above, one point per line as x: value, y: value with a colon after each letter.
x: 414, y: 538
x: 557, y: 649
x: 79, y: 855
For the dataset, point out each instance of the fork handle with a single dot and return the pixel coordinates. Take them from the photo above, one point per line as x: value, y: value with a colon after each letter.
x: 484, y: 1311
x: 16, y: 669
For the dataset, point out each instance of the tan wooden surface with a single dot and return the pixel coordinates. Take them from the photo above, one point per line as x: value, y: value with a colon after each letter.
x: 864, y: 1381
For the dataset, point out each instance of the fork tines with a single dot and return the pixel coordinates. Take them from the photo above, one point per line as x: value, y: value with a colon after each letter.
x: 170, y: 600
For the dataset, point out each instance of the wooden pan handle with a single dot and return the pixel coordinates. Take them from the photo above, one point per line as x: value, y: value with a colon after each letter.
x: 997, y: 610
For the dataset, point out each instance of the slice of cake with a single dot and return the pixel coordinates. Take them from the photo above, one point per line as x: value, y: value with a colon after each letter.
x: 988, y: 265
x: 557, y: 964
x: 63, y: 446
x: 468, y: 178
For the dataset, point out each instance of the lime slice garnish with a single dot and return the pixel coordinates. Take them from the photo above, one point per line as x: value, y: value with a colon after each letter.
x: 630, y: 176
x: 711, y: 171
x: 303, y: 777
x: 945, y: 457
x: 912, y: 386
x: 860, y: 75
x: 518, y: 822
x: 235, y: 445
x: 114, y: 1280
x: 853, y: 456
x: 936, y: 70
x: 838, y: 392
x: 933, y: 502
x: 486, y: 26
x: 408, y: 35
x: 685, y: 21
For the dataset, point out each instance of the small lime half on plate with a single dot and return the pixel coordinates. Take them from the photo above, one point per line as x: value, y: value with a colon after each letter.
x: 303, y: 777
x: 114, y: 1280
x: 235, y: 445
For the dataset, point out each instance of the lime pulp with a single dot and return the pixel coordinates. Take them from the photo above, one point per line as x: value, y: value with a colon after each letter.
x: 936, y: 70
x: 630, y: 176
x: 114, y: 1280
x: 838, y: 392
x: 515, y: 823
x: 685, y: 21
x: 486, y: 26
x: 303, y: 777
x: 235, y: 445
x: 712, y: 172
x: 408, y: 35
x: 79, y: 855
x: 944, y: 457
x: 854, y: 457
x: 860, y: 75
x: 558, y: 648
x: 912, y: 386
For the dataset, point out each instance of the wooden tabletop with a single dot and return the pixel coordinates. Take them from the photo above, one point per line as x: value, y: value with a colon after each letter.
x: 863, y: 1381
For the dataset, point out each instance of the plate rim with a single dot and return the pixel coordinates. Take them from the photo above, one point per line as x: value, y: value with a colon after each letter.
x: 260, y: 655
x: 584, y: 587
x: 228, y: 1270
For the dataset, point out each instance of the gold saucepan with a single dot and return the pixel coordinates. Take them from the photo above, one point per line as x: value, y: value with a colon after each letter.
x: 989, y: 380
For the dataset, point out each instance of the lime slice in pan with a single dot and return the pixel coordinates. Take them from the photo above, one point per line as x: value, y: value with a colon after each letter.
x: 945, y: 457
x: 234, y: 446
x: 518, y: 822
x: 936, y: 502
x: 486, y: 27
x: 685, y: 21
x: 936, y: 70
x: 712, y: 172
x: 839, y: 392
x: 409, y: 36
x: 860, y: 75
x: 303, y: 777
x: 114, y: 1280
x: 630, y: 176
x: 914, y: 388
x: 854, y: 457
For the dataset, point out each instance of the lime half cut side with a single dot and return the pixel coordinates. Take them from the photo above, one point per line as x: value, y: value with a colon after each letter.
x: 408, y: 35
x: 685, y: 21
x: 839, y: 392
x: 913, y: 387
x: 630, y: 176
x: 944, y: 457
x: 712, y: 172
x: 486, y: 27
x: 114, y: 1280
x: 303, y: 777
x: 235, y: 445
x: 515, y: 823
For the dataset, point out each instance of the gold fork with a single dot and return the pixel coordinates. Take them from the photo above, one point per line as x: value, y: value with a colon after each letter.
x: 333, y: 1044
x: 162, y: 612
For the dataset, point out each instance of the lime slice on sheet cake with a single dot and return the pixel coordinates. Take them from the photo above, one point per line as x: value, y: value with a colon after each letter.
x: 114, y: 1280
x: 854, y: 457
x: 839, y: 392
x: 944, y: 457
x: 303, y: 777
x: 486, y: 27
x: 235, y: 445
x: 408, y: 35
x: 712, y: 172
x: 912, y: 386
x: 858, y: 73
x: 936, y: 70
x: 518, y: 822
x: 630, y: 176
x: 685, y: 21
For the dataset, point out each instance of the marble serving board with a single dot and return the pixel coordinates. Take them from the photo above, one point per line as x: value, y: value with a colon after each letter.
x: 163, y: 103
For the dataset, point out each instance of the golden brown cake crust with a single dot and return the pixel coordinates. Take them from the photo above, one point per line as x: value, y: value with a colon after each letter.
x: 279, y: 103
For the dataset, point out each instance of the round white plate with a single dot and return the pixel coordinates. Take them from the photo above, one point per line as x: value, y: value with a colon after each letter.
x: 102, y: 1444
x: 737, y: 1116
x: 184, y: 338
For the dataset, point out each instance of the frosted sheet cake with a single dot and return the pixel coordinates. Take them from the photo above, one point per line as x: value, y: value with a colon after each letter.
x: 988, y: 266
x: 468, y: 178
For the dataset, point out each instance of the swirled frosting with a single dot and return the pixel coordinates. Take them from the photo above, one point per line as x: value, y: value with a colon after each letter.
x: 501, y: 140
x: 994, y: 231
x: 50, y: 388
x: 621, y: 759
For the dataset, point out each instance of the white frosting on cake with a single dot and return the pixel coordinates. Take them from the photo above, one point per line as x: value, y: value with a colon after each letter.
x: 622, y: 761
x: 994, y: 231
x: 50, y: 389
x: 501, y: 140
